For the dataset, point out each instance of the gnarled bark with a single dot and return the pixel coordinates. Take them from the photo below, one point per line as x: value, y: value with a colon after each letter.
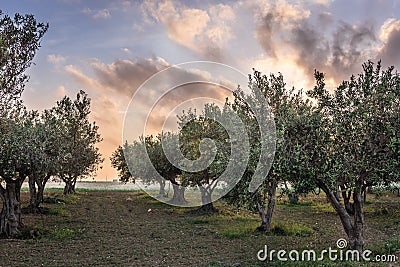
x: 36, y: 193
x: 354, y: 228
x: 69, y: 187
x: 10, y: 216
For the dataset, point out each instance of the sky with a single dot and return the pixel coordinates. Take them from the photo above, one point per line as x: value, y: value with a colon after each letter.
x: 109, y: 48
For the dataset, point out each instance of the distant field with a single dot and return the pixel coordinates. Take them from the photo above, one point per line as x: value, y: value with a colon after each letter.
x: 110, y: 228
x: 192, y: 195
x: 100, y: 186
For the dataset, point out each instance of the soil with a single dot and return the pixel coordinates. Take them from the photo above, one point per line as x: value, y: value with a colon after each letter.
x: 132, y: 229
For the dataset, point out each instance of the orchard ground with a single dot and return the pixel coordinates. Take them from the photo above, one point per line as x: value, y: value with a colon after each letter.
x: 117, y: 227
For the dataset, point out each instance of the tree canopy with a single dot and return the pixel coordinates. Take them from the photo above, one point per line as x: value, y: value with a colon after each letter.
x: 20, y: 38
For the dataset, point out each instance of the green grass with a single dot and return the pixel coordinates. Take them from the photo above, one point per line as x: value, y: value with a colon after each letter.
x: 61, y: 233
x: 198, y: 221
x: 323, y: 207
x: 239, y: 227
x: 58, y: 211
x: 56, y: 232
x: 391, y: 246
x: 290, y: 229
x: 243, y: 226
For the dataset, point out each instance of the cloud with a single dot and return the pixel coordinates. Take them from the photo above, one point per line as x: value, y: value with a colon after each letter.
x: 338, y: 55
x: 337, y: 49
x: 113, y: 85
x: 61, y: 91
x: 37, y: 99
x: 350, y: 47
x: 126, y: 50
x: 97, y: 14
x: 276, y: 18
x: 125, y: 76
x: 390, y: 37
x: 126, y: 5
x: 110, y: 129
x: 87, y: 10
x: 193, y: 95
x: 102, y: 14
x: 81, y: 78
x: 285, y: 12
x: 323, y: 2
x: 325, y: 19
x: 204, y: 31
x: 138, y: 27
x: 265, y: 33
x: 56, y: 59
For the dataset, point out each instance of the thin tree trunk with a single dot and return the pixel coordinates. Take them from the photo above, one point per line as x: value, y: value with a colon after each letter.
x: 40, y: 188
x: 74, y: 183
x: 265, y: 224
x: 346, y: 194
x: 162, y: 194
x: 33, y: 201
x: 271, y: 204
x: 266, y: 216
x: 10, y: 216
x: 206, y: 201
x: 364, y: 194
x: 354, y: 231
x: 179, y: 195
x: 293, y: 198
x: 357, y: 236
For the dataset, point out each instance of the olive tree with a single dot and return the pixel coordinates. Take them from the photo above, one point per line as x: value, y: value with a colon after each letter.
x: 129, y: 161
x: 282, y: 102
x: 132, y: 164
x: 164, y: 167
x: 19, y: 40
x: 349, y: 141
x: 119, y: 163
x: 193, y: 130
x: 14, y: 167
x: 45, y: 158
x: 80, y: 156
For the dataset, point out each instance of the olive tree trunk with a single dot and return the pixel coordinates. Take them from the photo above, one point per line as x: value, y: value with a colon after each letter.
x: 162, y: 193
x: 69, y: 187
x: 354, y: 228
x: 36, y: 193
x: 178, y: 197
x: 33, y: 201
x: 266, y: 216
x: 10, y: 216
x: 206, y: 201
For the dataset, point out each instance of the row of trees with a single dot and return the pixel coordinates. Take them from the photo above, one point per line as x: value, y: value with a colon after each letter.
x: 130, y: 159
x: 340, y: 142
x: 57, y: 142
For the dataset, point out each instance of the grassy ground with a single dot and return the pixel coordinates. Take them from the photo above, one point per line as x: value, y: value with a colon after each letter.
x: 131, y: 229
